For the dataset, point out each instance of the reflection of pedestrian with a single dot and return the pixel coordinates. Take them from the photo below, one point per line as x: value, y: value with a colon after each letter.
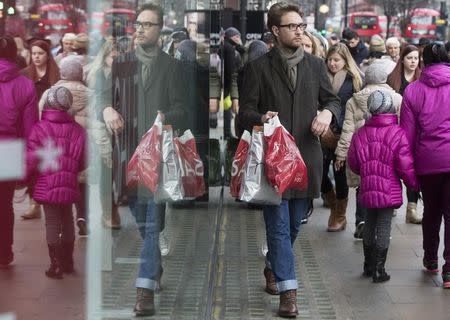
x: 18, y: 100
x: 158, y: 89
x: 425, y: 116
x: 291, y: 84
x: 55, y: 157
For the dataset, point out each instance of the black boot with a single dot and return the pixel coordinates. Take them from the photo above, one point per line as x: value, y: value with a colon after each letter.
x: 368, y: 260
x: 55, y: 271
x: 379, y: 273
x: 67, y: 255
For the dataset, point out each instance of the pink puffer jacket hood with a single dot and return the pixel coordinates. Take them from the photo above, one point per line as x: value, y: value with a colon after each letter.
x: 18, y: 102
x: 425, y: 117
x: 381, y: 155
x: 55, y: 155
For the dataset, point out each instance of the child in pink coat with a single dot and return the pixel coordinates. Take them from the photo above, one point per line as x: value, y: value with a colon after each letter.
x: 381, y: 155
x: 55, y: 157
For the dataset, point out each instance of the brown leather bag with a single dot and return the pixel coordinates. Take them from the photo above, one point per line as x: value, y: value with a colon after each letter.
x: 330, y: 139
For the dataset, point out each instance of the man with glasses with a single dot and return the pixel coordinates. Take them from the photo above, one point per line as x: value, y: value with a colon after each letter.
x: 146, y: 82
x: 293, y: 85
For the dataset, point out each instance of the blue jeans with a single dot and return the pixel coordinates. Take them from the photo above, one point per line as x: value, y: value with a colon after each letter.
x: 282, y: 227
x: 148, y: 218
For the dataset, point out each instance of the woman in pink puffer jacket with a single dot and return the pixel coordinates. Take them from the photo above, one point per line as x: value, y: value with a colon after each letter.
x: 381, y: 155
x: 55, y: 157
x: 425, y: 117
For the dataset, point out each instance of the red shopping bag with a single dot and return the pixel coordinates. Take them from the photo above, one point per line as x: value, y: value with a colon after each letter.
x: 144, y: 165
x: 285, y: 168
x: 237, y: 166
x: 192, y: 169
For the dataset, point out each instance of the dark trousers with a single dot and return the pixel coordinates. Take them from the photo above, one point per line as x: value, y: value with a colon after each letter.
x: 361, y: 211
x: 81, y: 205
x: 436, y: 199
x: 413, y: 196
x: 340, y: 178
x: 377, y: 229
x: 59, y: 221
x: 6, y: 218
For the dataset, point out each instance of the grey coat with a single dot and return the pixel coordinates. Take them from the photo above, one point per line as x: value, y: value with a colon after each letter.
x: 266, y: 88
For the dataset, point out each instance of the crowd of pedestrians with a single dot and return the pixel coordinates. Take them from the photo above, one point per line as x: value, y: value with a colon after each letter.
x: 374, y: 114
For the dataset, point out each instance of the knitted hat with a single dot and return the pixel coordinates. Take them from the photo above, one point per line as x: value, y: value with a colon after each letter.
x: 256, y: 49
x: 71, y: 69
x: 58, y: 98
x: 377, y: 44
x: 377, y: 73
x: 81, y: 41
x: 392, y: 41
x: 231, y: 32
x: 379, y: 102
x: 187, y: 51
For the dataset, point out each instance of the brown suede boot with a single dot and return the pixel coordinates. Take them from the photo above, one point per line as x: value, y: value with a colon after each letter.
x: 34, y: 211
x: 338, y: 222
x: 271, y: 285
x: 329, y: 199
x: 288, y: 304
x: 145, y: 302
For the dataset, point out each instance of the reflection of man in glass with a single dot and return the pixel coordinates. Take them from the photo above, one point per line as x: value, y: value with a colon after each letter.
x: 147, y: 83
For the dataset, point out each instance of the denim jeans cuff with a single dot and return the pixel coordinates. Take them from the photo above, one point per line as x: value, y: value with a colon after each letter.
x: 146, y: 283
x: 287, y: 285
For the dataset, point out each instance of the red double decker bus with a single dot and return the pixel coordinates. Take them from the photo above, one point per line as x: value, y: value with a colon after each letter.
x: 421, y: 23
x: 365, y: 23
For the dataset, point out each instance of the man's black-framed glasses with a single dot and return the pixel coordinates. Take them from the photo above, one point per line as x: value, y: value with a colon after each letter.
x: 294, y: 26
x: 145, y: 25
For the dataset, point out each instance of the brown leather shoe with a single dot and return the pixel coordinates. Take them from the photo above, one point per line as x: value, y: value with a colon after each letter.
x: 288, y: 304
x: 271, y: 284
x: 145, y: 302
x: 337, y: 221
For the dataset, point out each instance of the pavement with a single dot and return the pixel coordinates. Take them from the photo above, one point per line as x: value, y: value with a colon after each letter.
x: 214, y: 271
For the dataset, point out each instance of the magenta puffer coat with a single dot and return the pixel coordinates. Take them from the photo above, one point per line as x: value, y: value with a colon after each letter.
x: 381, y: 155
x: 18, y: 102
x: 425, y: 117
x: 55, y: 155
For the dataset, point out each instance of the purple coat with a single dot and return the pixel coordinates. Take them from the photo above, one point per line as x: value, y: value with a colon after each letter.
x: 381, y: 155
x: 425, y: 117
x: 62, y: 141
x: 18, y: 102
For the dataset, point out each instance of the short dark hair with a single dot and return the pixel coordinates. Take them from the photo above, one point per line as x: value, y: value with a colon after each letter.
x: 152, y: 7
x: 435, y: 53
x: 279, y: 9
x: 8, y: 48
x: 349, y: 34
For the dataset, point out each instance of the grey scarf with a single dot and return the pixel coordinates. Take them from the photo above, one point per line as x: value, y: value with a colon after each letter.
x: 147, y: 56
x: 290, y: 61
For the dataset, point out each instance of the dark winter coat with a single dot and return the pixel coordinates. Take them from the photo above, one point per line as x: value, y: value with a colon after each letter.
x: 56, y: 185
x: 138, y: 105
x: 18, y: 102
x: 425, y: 116
x: 359, y: 53
x: 380, y: 153
x: 266, y: 87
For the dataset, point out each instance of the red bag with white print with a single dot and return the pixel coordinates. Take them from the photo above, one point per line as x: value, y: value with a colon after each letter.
x: 237, y: 166
x: 285, y: 168
x: 144, y: 166
x: 192, y: 169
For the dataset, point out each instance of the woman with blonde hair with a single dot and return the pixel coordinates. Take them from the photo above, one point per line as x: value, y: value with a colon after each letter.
x: 345, y: 80
x: 308, y: 43
x: 406, y: 71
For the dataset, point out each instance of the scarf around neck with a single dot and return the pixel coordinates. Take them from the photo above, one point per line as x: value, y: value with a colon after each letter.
x: 337, y: 80
x: 147, y: 56
x: 290, y: 62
